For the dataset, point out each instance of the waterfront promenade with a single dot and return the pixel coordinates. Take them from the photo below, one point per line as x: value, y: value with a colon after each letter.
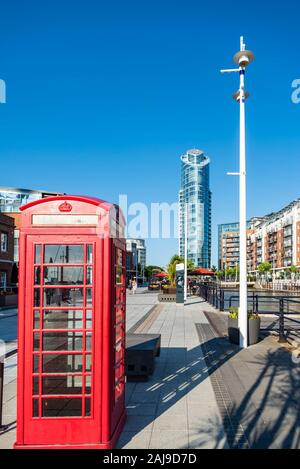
x: 205, y: 392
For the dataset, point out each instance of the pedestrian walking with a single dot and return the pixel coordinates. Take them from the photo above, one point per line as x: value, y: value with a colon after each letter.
x: 134, y: 286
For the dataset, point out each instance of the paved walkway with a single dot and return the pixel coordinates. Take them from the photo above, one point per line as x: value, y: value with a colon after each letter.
x: 177, y: 407
x: 138, y: 305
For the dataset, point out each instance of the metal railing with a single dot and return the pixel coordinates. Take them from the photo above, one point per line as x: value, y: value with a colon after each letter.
x: 2, y: 361
x: 282, y: 306
x: 9, y: 289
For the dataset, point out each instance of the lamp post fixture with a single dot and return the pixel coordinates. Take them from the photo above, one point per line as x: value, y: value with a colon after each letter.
x: 242, y: 58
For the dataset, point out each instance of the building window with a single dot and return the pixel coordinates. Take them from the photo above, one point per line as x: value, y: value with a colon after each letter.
x: 4, y: 242
x: 3, y: 277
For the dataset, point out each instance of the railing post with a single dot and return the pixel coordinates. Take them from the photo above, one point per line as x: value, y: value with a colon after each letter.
x: 256, y: 303
x: 222, y: 301
x: 282, y: 338
x: 1, y: 389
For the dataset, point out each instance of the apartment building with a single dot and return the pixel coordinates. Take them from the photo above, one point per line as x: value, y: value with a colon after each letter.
x: 273, y: 238
x: 229, y: 244
x: 277, y: 239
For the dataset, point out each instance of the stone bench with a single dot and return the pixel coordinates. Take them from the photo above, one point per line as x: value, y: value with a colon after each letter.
x: 141, y: 350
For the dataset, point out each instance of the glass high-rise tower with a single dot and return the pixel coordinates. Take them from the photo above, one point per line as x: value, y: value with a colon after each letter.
x: 195, y: 198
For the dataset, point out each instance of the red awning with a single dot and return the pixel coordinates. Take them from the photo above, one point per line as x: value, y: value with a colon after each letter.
x: 201, y: 271
x: 161, y: 275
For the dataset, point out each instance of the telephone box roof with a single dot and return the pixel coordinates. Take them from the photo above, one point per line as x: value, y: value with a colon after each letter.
x: 76, y: 198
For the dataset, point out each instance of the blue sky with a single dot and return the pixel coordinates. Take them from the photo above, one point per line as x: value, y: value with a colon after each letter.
x: 104, y: 96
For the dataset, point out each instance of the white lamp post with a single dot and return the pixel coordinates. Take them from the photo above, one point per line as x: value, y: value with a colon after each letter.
x: 242, y: 58
x: 185, y: 249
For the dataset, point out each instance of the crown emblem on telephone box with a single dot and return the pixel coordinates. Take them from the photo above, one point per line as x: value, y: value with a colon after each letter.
x: 65, y: 207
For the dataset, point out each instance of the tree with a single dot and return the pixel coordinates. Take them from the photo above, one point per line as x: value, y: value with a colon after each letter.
x: 214, y: 268
x: 171, y: 267
x: 293, y: 270
x: 151, y: 270
x: 230, y: 272
x: 264, y: 268
x: 220, y: 274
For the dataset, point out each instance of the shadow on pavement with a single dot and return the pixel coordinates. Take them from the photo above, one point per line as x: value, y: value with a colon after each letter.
x: 258, y: 395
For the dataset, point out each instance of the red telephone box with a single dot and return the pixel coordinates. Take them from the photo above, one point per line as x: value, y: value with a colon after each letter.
x: 72, y: 294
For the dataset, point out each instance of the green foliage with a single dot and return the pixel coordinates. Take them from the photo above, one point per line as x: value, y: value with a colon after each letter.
x: 151, y: 270
x: 264, y: 267
x: 171, y: 268
x: 292, y: 269
x: 234, y: 313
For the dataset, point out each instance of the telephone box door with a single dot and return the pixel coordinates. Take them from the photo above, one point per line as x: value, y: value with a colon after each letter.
x: 61, y: 394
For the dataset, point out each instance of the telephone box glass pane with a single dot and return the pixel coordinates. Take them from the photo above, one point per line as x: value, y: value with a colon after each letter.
x: 37, y: 254
x: 65, y: 275
x: 119, y: 255
x: 37, y: 297
x: 37, y: 276
x: 88, y: 319
x: 64, y: 407
x: 36, y: 320
x: 36, y: 341
x: 35, y: 404
x: 88, y: 407
x: 89, y: 254
x: 62, y: 363
x: 89, y: 275
x: 66, y: 319
x: 36, y: 363
x: 89, y: 296
x: 88, y: 384
x: 35, y: 385
x: 69, y: 341
x: 62, y: 297
x: 119, y: 276
x: 63, y: 254
x: 88, y: 363
x: 62, y: 385
x: 88, y: 344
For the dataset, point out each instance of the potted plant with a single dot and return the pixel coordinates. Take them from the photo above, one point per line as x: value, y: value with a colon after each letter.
x: 233, y: 326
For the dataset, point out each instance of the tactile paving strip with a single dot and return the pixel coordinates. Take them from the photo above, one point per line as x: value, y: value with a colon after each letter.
x: 144, y: 324
x: 234, y: 431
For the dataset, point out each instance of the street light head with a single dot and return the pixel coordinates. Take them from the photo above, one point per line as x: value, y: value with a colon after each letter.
x: 243, y: 58
x: 237, y: 96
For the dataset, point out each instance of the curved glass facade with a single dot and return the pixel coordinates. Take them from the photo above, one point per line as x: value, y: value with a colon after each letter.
x: 11, y: 199
x: 195, y: 197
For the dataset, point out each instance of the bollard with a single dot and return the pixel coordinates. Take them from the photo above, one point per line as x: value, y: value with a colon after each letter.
x: 282, y: 338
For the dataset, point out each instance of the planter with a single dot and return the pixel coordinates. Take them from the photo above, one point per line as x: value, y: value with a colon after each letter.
x: 9, y: 300
x: 253, y: 331
x: 169, y: 291
x: 164, y: 297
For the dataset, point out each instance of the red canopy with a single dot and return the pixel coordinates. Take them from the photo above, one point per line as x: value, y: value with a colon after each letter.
x: 161, y: 275
x: 201, y: 271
